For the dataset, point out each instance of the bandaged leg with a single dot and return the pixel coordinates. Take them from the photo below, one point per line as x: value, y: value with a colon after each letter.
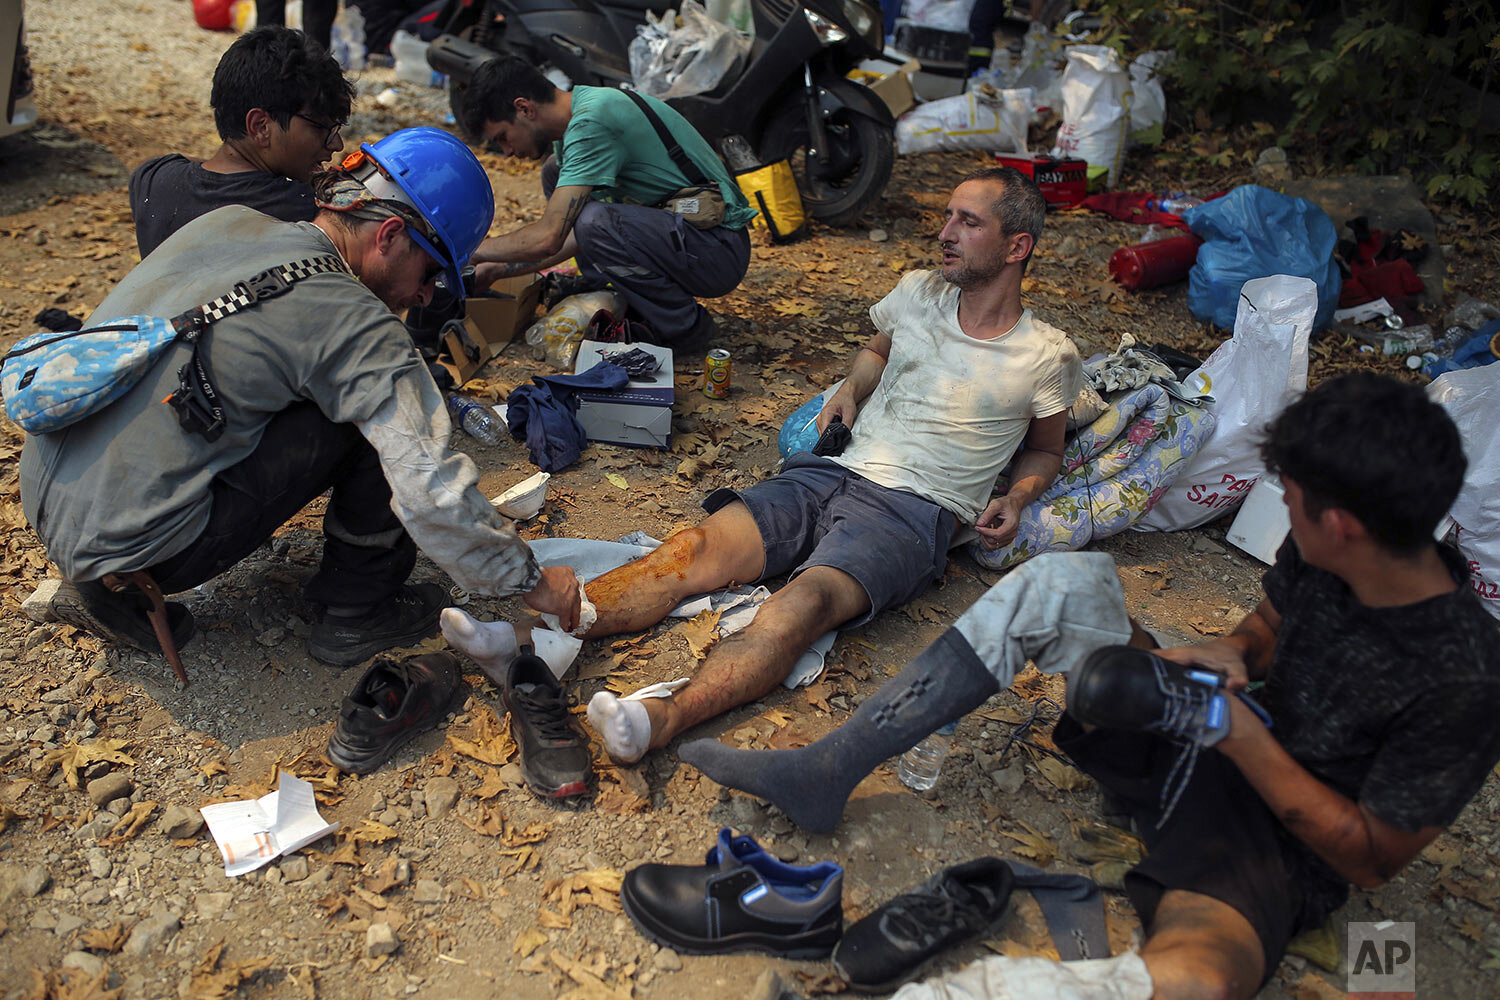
x: 1053, y: 610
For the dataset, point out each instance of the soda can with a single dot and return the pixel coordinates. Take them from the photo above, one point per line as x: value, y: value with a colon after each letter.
x: 716, y: 371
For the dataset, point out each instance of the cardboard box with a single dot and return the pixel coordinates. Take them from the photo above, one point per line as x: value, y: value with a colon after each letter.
x: 1062, y: 181
x: 891, y: 82
x: 638, y: 415
x: 490, y: 322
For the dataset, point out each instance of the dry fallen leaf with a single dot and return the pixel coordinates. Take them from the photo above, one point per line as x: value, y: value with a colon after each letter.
x: 1063, y: 776
x: 529, y: 941
x: 368, y: 832
x: 387, y: 877
x: 76, y: 756
x: 212, y: 983
x: 701, y: 632
x: 1032, y: 844
x: 130, y: 824
x: 106, y: 939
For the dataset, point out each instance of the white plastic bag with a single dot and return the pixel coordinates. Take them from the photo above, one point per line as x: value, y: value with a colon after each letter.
x: 1251, y: 376
x: 1095, y: 89
x: 1040, y: 66
x: 410, y: 53
x: 946, y: 15
x: 1472, y: 398
x: 668, y: 61
x: 984, y: 118
x: 1148, y: 103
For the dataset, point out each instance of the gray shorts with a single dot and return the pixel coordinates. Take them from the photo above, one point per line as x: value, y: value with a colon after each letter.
x: 818, y: 513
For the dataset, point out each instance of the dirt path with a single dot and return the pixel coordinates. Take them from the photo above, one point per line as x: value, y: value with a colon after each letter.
x: 493, y: 897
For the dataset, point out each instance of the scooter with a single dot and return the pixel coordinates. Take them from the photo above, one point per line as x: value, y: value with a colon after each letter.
x: 790, y: 101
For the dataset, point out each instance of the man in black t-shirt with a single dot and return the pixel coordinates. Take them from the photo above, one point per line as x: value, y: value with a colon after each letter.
x: 1382, y: 680
x: 279, y: 100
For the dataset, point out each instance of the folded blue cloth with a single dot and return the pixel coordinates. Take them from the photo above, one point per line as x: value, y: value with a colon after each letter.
x: 543, y: 414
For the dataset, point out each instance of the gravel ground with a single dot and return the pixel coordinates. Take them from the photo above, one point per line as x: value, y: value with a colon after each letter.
x: 486, y: 890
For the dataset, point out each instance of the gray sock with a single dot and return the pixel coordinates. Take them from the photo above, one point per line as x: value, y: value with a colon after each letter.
x: 1073, y: 908
x: 943, y: 683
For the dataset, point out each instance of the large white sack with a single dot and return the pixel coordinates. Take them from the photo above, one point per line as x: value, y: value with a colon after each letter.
x: 1095, y: 88
x: 1472, y: 398
x: 983, y: 118
x: 1251, y: 376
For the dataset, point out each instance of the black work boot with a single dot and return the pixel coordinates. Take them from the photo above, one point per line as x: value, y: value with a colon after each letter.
x: 119, y: 616
x: 349, y: 636
x: 554, y: 754
x: 391, y: 704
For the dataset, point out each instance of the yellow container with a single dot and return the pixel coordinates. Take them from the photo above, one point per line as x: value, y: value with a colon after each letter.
x: 772, y: 190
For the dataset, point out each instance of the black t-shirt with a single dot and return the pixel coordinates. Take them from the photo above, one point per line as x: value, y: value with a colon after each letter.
x: 1394, y: 708
x: 170, y: 191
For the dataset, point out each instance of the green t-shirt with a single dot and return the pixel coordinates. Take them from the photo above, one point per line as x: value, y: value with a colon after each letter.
x: 610, y: 146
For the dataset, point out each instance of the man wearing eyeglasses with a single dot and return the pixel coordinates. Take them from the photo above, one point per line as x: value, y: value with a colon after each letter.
x: 279, y: 101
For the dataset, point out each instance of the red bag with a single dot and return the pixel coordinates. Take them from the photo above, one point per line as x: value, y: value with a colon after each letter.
x: 213, y: 14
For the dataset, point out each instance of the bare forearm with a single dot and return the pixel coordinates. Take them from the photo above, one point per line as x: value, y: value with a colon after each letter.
x: 528, y: 249
x: 869, y: 365
x: 1334, y: 827
x: 1032, y: 473
x: 1255, y: 639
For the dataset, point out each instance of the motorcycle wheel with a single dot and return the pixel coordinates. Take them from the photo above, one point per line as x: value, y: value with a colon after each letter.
x: 861, y: 154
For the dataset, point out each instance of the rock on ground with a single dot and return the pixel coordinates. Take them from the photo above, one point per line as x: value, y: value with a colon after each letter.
x: 150, y: 934
x: 103, y: 791
x: 380, y: 940
x: 179, y: 822
x: 439, y: 795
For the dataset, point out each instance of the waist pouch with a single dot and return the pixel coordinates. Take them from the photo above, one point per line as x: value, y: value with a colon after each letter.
x: 700, y: 207
x: 53, y: 380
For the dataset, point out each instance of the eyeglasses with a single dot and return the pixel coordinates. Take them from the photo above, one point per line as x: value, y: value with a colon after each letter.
x: 434, y: 269
x: 330, y: 132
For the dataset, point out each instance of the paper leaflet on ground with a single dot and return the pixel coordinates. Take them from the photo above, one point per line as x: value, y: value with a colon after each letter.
x: 254, y: 832
x: 591, y: 558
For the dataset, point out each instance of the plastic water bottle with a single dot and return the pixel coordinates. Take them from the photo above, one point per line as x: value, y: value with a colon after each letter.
x: 476, y: 419
x: 920, y: 766
x: 1173, y: 202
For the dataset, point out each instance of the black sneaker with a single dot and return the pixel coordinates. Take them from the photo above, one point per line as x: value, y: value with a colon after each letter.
x: 742, y: 899
x: 554, y: 755
x: 887, y: 947
x: 1130, y: 689
x: 119, y: 616
x: 1122, y: 687
x: 394, y: 702
x: 556, y: 287
x: 404, y: 620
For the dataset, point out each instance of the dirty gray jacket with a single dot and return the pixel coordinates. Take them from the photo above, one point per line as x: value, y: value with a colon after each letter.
x: 126, y: 488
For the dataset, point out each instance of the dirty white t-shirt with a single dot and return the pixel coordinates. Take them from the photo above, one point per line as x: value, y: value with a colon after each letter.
x: 950, y: 411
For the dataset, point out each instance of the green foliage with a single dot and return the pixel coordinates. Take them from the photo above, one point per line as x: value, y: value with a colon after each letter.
x: 1383, y: 85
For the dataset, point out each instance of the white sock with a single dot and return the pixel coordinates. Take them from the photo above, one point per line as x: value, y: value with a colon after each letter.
x: 492, y: 645
x: 623, y: 725
x: 999, y: 977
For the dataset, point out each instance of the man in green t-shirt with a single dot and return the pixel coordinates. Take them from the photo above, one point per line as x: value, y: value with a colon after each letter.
x: 607, y: 177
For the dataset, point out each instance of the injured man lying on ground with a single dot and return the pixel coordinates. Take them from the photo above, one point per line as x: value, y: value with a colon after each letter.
x: 959, y: 382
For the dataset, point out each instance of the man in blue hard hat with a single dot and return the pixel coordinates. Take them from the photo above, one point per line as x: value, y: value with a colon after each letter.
x: 315, y: 388
x: 664, y: 225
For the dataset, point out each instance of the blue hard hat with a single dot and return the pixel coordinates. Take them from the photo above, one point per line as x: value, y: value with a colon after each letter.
x: 442, y: 179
